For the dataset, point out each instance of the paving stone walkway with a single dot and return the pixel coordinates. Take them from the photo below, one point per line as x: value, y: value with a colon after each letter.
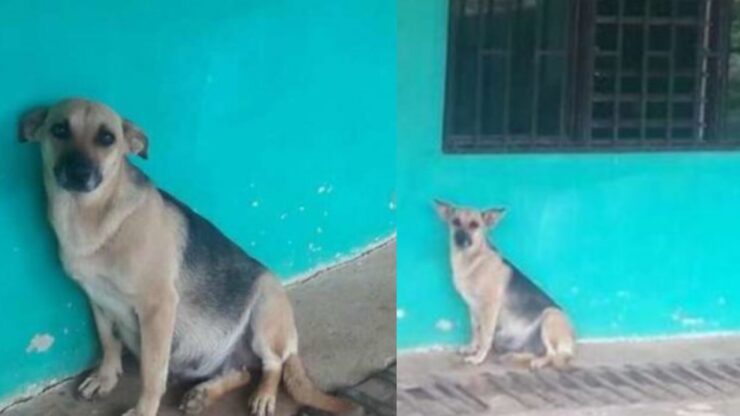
x: 696, y: 377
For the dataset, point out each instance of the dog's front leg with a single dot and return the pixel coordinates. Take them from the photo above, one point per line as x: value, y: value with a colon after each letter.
x: 487, y: 317
x: 157, y: 323
x: 105, y: 377
x: 474, y: 345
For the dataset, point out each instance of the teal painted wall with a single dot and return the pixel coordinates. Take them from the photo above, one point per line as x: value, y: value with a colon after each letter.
x: 274, y: 119
x: 630, y: 244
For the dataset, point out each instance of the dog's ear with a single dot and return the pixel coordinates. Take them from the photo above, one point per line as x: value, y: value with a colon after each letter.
x: 137, y: 141
x: 445, y: 210
x: 30, y: 122
x: 492, y: 216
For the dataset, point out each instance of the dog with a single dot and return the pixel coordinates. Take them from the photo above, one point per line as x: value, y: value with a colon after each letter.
x: 508, y: 312
x: 162, y: 281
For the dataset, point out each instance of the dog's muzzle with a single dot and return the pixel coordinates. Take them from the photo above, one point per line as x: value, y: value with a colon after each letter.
x: 462, y: 239
x: 76, y: 172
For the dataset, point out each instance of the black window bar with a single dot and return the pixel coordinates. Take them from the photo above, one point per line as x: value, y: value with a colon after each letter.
x: 586, y: 75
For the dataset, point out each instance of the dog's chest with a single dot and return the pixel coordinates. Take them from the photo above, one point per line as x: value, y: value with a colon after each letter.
x: 108, y: 297
x: 464, y: 287
x: 466, y: 281
x: 478, y: 280
x: 110, y: 300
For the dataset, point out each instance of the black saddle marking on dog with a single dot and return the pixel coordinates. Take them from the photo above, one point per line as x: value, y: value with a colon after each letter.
x: 524, y: 298
x: 525, y: 301
x: 222, y: 273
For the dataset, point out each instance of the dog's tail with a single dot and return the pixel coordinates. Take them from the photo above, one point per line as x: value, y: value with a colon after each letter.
x: 305, y: 392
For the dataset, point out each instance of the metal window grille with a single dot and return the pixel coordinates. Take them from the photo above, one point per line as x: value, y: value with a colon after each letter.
x: 586, y: 75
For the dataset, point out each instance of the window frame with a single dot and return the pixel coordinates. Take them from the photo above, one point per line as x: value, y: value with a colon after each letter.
x: 576, y: 122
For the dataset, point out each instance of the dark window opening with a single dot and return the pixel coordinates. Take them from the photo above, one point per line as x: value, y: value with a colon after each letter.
x: 541, y: 75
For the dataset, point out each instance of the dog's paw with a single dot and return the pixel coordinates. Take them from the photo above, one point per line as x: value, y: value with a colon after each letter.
x: 539, y: 363
x: 263, y: 405
x: 476, y: 359
x: 467, y: 350
x: 98, y: 384
x: 195, y: 401
x: 143, y: 409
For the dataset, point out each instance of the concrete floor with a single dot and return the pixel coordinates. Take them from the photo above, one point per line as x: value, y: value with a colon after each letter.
x: 347, y: 330
x: 419, y: 374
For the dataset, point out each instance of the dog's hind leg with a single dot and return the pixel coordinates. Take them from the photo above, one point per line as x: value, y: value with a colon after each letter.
x: 263, y: 402
x: 204, y: 394
x: 557, y: 337
x: 275, y: 342
x: 274, y: 339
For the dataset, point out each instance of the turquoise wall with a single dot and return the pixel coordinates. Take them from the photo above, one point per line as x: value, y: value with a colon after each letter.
x: 275, y: 119
x: 630, y: 244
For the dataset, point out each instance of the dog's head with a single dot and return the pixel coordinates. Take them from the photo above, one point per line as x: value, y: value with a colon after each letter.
x: 83, y: 143
x: 468, y: 227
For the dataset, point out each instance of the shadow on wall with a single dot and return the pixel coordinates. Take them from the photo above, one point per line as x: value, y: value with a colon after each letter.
x: 246, y: 106
x: 631, y: 244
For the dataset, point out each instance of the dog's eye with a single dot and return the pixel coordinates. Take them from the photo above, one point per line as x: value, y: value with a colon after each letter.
x: 106, y: 138
x: 456, y: 222
x: 473, y: 225
x: 60, y: 131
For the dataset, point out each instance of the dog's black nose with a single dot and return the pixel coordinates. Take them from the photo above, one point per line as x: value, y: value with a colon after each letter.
x: 80, y: 172
x: 462, y: 238
x: 76, y: 172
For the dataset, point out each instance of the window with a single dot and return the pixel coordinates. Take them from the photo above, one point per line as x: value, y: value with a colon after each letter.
x: 590, y: 75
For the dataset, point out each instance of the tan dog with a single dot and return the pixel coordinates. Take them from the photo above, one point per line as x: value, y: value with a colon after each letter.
x: 508, y: 312
x: 162, y: 281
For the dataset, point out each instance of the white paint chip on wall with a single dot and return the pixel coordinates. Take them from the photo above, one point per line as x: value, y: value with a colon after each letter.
x: 400, y: 313
x: 444, y: 325
x: 324, y: 189
x: 685, y: 320
x: 40, y: 343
